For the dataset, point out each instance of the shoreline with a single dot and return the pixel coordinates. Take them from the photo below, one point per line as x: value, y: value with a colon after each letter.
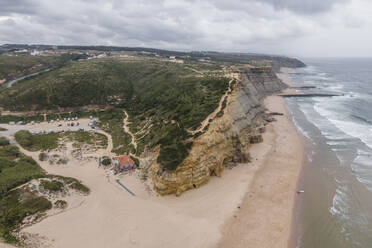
x: 296, y: 225
x: 267, y: 217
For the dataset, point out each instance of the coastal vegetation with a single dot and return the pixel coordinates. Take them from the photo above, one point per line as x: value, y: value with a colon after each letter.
x: 53, y: 185
x: 112, y: 122
x: 90, y: 138
x: 106, y: 161
x: 37, y: 142
x: 163, y: 100
x: 16, y: 203
x: 16, y: 168
x: 50, y: 141
x: 3, y: 141
x: 16, y: 66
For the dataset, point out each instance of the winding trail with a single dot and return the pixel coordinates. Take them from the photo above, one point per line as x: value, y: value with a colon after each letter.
x: 126, y: 129
x: 107, y: 151
x: 214, y: 113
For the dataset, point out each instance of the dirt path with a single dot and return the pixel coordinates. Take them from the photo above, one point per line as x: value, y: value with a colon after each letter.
x: 107, y: 151
x: 215, y: 112
x: 126, y: 129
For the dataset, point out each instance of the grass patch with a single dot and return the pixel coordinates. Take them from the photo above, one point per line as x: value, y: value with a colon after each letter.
x: 15, y: 206
x: 112, y: 122
x: 88, y: 138
x: 79, y: 187
x: 42, y: 142
x: 4, y: 141
x: 16, y: 169
x: 54, y: 185
x: 73, y: 184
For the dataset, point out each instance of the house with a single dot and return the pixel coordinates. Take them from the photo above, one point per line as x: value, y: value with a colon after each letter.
x: 123, y: 163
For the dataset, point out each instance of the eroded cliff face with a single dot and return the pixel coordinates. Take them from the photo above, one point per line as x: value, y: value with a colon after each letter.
x: 228, y: 138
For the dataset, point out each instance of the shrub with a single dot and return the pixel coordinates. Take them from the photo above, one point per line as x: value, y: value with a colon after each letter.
x: 136, y: 160
x: 53, y: 185
x: 43, y: 156
x: 60, y: 204
x: 106, y: 161
x: 80, y: 187
x: 4, y: 141
x: 24, y: 138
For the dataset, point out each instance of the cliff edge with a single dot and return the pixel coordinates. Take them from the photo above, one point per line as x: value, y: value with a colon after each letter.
x: 228, y: 136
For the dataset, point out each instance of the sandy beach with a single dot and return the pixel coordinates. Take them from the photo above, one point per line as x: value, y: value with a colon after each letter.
x: 110, y: 217
x: 265, y: 216
x: 249, y: 206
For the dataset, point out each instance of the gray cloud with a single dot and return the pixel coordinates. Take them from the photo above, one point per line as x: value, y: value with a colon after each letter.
x: 305, y: 6
x: 235, y: 25
x: 8, y: 7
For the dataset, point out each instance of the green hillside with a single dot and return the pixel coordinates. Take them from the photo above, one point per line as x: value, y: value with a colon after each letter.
x: 16, y: 66
x: 163, y: 99
x: 12, y: 67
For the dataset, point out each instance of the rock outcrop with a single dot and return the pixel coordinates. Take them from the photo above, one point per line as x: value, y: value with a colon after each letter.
x: 228, y: 138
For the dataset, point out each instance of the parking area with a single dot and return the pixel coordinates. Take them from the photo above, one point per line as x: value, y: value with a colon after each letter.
x: 36, y: 128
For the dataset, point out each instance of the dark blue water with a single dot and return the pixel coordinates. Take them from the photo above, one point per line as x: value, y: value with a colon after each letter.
x: 336, y: 208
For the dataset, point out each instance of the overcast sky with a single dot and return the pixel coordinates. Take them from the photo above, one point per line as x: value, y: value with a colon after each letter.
x: 304, y: 28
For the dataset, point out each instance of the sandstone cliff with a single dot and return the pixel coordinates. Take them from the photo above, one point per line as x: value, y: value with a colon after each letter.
x: 228, y: 138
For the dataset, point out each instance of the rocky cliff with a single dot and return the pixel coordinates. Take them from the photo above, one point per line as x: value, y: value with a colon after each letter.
x: 228, y: 137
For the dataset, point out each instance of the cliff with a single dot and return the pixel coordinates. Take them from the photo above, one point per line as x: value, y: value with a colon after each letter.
x: 228, y: 138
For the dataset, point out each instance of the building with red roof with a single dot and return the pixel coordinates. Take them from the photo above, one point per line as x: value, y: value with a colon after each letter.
x: 124, y: 163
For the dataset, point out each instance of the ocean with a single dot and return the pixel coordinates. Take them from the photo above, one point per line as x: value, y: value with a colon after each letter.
x: 336, y: 208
